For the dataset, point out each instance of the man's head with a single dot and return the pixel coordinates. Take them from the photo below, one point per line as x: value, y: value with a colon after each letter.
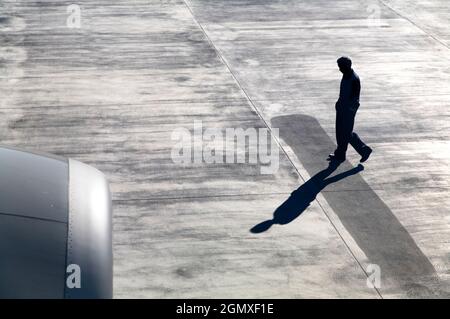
x: 345, y: 64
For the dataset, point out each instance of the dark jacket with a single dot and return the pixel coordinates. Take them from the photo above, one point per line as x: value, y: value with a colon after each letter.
x: 349, y: 93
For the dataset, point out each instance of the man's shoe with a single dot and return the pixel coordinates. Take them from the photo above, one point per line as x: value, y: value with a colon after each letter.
x: 366, y: 154
x: 334, y: 158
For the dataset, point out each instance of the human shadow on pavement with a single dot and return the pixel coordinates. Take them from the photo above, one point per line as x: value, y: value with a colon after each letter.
x: 368, y: 220
x: 302, y: 197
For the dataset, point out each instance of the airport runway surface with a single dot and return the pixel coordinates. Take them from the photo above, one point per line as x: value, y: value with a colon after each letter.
x: 112, y: 91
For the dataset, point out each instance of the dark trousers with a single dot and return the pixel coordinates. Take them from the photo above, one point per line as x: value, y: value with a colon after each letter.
x: 344, y: 134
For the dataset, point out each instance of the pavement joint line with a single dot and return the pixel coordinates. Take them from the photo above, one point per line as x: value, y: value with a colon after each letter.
x: 414, y: 24
x: 333, y: 99
x: 267, y: 194
x: 270, y: 194
x: 203, y: 101
x: 277, y: 141
x: 193, y: 197
x: 168, y: 101
x: 385, y: 189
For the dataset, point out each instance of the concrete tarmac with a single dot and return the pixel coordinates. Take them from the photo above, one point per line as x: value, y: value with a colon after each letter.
x: 112, y: 90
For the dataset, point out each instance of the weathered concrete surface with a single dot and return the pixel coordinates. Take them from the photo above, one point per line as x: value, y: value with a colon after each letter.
x: 404, y: 66
x: 112, y: 92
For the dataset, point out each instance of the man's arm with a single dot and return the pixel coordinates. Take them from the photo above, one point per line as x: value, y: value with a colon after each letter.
x: 356, y: 90
x: 338, y: 102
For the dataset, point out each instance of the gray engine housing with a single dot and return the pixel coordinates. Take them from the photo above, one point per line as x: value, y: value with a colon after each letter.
x: 55, y: 216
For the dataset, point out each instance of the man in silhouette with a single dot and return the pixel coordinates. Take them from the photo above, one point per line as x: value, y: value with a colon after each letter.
x: 346, y: 108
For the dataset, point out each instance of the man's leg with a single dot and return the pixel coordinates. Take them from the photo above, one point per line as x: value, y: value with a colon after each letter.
x: 344, y: 128
x: 360, y: 147
x: 357, y: 143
